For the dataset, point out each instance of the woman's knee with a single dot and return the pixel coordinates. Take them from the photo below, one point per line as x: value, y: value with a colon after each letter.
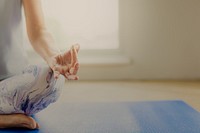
x: 50, y: 95
x: 43, y: 75
x: 38, y: 71
x: 44, y: 78
x: 31, y: 91
x: 47, y: 89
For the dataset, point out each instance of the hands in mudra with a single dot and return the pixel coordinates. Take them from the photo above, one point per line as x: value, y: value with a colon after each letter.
x: 66, y: 63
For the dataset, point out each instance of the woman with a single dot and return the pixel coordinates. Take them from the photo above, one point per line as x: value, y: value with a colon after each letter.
x: 26, y: 91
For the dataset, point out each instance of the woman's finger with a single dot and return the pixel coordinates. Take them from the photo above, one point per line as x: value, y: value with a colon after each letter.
x: 56, y: 74
x: 71, y: 70
x: 72, y: 77
x: 69, y: 76
x: 74, y: 58
x: 77, y: 47
x: 66, y: 75
x: 66, y: 57
x: 74, y: 64
x: 75, y: 69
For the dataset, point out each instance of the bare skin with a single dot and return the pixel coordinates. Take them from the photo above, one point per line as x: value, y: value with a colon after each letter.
x: 17, y: 120
x: 65, y: 63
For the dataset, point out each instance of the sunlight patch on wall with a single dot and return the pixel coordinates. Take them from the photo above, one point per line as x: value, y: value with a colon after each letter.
x: 92, y: 23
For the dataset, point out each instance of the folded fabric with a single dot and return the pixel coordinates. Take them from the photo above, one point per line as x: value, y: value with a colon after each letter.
x: 29, y: 92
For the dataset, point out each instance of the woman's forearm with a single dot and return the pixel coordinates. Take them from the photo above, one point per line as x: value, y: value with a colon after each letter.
x: 44, y: 44
x: 41, y: 40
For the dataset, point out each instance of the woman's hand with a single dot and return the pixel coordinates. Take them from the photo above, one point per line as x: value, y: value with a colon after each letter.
x: 65, y: 63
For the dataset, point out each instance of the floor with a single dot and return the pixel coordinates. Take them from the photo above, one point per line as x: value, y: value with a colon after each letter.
x: 120, y: 91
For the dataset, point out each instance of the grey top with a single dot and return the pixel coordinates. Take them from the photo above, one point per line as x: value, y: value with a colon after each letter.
x: 12, y: 54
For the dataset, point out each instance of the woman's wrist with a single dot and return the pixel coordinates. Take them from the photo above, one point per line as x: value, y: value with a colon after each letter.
x: 50, y: 55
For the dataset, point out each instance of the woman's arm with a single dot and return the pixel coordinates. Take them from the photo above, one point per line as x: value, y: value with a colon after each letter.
x: 42, y: 41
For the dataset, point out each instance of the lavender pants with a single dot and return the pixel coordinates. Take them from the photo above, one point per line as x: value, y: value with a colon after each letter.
x: 29, y: 92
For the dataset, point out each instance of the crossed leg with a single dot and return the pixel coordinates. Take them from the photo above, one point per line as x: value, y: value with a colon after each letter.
x: 26, y: 94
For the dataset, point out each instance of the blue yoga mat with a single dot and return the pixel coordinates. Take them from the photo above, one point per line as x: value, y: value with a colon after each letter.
x: 126, y: 117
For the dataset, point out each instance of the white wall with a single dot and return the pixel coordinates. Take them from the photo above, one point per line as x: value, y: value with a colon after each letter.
x: 162, y: 37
